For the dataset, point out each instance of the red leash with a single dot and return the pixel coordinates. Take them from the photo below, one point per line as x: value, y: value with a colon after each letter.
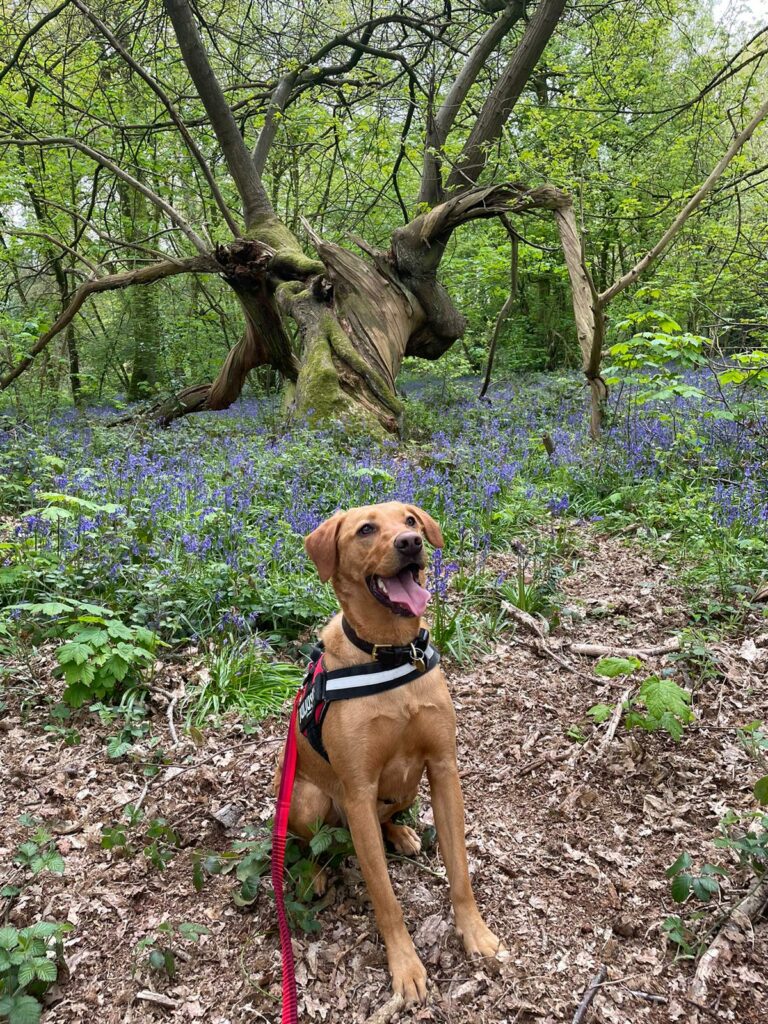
x: 279, y: 836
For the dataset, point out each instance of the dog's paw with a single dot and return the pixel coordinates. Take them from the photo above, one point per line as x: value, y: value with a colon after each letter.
x: 409, y: 978
x: 479, y: 941
x: 403, y: 838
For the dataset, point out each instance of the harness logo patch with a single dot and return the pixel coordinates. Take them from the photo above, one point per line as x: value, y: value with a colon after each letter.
x: 307, y: 706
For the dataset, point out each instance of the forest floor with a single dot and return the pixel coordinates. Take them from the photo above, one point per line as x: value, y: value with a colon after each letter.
x: 567, y: 848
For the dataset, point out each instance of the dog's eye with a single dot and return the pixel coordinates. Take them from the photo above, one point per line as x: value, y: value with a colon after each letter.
x: 410, y: 521
x: 366, y: 529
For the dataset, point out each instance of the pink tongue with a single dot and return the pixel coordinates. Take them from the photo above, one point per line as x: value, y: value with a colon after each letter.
x: 403, y: 589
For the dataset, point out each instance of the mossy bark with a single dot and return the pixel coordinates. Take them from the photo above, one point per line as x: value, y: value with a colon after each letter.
x: 355, y: 325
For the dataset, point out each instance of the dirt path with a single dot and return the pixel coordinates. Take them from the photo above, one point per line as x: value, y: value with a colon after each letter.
x: 567, y: 851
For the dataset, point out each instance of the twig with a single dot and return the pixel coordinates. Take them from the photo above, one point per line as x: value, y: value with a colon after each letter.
x: 599, y: 651
x: 531, y: 624
x: 613, y: 725
x: 651, y: 997
x: 589, y: 995
x: 418, y: 864
x: 751, y: 906
x: 546, y: 759
x: 157, y: 998
x: 169, y: 715
x: 386, y: 1012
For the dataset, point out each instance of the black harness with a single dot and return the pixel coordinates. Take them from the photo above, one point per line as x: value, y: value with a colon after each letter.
x: 394, y: 666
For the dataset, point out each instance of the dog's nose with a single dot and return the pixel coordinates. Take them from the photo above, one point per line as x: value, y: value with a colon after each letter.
x: 409, y: 543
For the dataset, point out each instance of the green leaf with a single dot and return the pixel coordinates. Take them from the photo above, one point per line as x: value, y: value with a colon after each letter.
x: 705, y: 887
x: 45, y: 969
x: 761, y: 790
x: 320, y: 842
x: 22, y: 1009
x: 26, y: 973
x: 661, y: 695
x: 600, y: 713
x: 119, y: 630
x: 76, y: 694
x: 9, y: 938
x: 612, y: 667
x: 74, y: 651
x: 157, y: 960
x: 681, y: 888
x: 672, y: 725
x: 682, y: 862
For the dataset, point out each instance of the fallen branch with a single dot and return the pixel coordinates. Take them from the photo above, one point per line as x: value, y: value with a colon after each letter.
x: 157, y: 998
x: 650, y: 997
x: 600, y: 651
x: 169, y: 715
x: 613, y: 724
x: 739, y: 919
x: 539, y: 628
x: 589, y: 995
x: 386, y: 1012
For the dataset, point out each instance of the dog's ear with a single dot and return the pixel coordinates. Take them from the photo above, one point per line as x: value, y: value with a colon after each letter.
x: 321, y: 547
x: 431, y: 529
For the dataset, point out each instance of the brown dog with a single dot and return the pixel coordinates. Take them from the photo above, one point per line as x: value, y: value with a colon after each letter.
x: 379, y: 745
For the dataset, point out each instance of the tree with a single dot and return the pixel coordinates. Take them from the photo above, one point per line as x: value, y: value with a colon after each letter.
x: 337, y: 327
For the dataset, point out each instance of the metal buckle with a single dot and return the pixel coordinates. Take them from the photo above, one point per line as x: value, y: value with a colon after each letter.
x: 417, y: 659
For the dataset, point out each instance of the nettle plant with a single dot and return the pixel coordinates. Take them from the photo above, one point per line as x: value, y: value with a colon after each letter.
x: 250, y: 860
x: 29, y: 964
x: 655, y: 355
x: 35, y: 855
x: 159, y: 842
x: 659, y: 704
x: 160, y: 951
x: 102, y: 657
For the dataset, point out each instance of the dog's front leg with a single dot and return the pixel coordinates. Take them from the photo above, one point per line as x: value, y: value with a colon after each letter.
x: 448, y: 809
x: 409, y: 978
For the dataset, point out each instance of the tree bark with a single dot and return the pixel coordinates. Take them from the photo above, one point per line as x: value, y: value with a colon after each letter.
x: 441, y: 123
x: 504, y: 95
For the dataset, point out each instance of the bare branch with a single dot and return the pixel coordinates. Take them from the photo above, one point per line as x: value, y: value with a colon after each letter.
x: 277, y: 104
x: 437, y: 131
x: 653, y: 254
x: 144, y: 275
x: 256, y: 204
x: 30, y: 34
x: 174, y: 114
x: 27, y: 232
x: 202, y: 247
x: 505, y: 94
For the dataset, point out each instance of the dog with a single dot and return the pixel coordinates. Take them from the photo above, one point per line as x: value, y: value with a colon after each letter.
x: 378, y: 746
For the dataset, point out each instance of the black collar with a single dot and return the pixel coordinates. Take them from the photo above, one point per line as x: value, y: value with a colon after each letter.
x: 391, y: 655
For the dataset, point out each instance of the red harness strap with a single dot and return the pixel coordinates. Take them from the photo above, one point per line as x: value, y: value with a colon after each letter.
x: 279, y: 835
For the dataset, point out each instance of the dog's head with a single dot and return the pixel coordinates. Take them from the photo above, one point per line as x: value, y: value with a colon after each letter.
x: 375, y: 557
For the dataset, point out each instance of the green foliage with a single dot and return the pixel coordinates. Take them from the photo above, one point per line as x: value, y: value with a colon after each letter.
x: 703, y: 885
x: 158, y: 841
x: 250, y: 861
x: 746, y: 835
x: 667, y: 707
x: 682, y: 936
x: 659, y: 705
x: 240, y: 677
x: 102, y: 657
x: 29, y: 959
x: 612, y: 667
x: 159, y: 951
x: 39, y: 853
